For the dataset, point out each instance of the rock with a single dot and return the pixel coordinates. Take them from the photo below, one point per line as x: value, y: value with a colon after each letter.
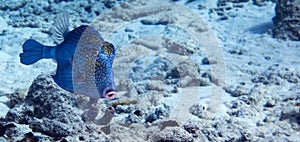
x: 159, y: 113
x: 174, y: 134
x: 291, y: 114
x: 277, y: 75
x: 260, y: 2
x: 173, y: 74
x: 109, y: 3
x: 197, y: 110
x: 132, y: 118
x: 136, y: 132
x: 192, y: 129
x: 49, y: 110
x: 16, y: 97
x: 189, y: 74
x: 205, y: 61
x: 190, y: 81
x: 162, y: 111
x: 287, y: 20
x: 154, y: 22
x: 270, y: 103
x: 152, y: 117
x: 150, y: 67
x: 20, y: 132
x: 157, y: 85
x: 239, y: 90
x: 188, y: 68
x: 138, y: 113
x: 177, y: 48
x: 40, y: 14
x: 123, y: 109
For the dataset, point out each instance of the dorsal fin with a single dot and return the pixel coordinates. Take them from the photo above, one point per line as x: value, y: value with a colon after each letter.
x: 60, y: 27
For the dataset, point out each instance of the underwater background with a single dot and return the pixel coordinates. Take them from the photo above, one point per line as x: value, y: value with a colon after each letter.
x: 184, y: 70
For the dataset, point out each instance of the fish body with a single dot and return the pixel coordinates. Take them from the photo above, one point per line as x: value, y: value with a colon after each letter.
x: 84, y: 59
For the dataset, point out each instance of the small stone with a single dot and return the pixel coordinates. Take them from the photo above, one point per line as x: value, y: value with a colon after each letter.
x: 154, y: 22
x: 152, y: 117
x: 236, y: 51
x: 177, y: 48
x: 269, y: 119
x: 259, y: 123
x: 191, y: 128
x: 267, y: 58
x: 197, y: 110
x: 201, y: 7
x: 81, y: 138
x: 205, y: 61
x: 174, y: 90
x: 173, y: 74
x: 138, y: 113
x: 270, y: 103
x: 220, y: 13
x: 128, y: 29
x: 132, y: 118
x: 238, y: 5
x: 238, y: 91
x: 224, y: 18
x: 123, y: 109
x: 157, y: 85
x: 228, y: 8
x: 109, y: 3
x: 188, y: 68
x: 161, y: 112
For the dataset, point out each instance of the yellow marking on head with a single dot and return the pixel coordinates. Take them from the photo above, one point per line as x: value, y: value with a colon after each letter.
x: 107, y: 48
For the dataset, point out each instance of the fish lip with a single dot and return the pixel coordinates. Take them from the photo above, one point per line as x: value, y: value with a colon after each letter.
x: 110, y: 94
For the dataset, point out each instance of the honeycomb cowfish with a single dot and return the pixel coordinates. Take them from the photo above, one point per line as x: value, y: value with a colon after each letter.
x: 84, y: 60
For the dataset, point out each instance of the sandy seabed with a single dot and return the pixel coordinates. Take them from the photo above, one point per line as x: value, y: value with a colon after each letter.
x: 185, y: 71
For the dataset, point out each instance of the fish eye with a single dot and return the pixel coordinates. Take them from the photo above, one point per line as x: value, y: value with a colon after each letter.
x: 95, y: 53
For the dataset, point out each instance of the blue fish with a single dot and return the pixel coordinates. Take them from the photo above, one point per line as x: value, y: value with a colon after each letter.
x: 84, y: 60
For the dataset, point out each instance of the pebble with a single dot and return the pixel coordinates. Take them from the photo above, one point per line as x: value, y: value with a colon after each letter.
x: 152, y: 117
x: 132, y: 118
x: 270, y: 103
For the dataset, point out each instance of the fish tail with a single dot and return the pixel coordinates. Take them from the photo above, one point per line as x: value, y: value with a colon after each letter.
x: 33, y: 51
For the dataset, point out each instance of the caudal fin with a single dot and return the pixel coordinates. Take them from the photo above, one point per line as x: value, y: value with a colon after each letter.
x: 32, y: 52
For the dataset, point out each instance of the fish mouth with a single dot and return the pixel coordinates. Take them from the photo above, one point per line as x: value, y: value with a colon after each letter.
x: 110, y: 94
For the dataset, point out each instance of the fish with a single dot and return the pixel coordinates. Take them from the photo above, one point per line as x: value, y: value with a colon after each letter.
x: 84, y: 59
